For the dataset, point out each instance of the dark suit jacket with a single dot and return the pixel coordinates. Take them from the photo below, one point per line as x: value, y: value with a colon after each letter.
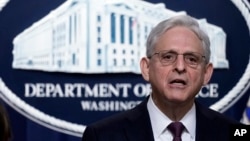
x: 135, y: 125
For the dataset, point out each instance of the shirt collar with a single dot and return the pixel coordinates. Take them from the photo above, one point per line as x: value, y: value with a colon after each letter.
x: 159, y: 120
x: 189, y: 121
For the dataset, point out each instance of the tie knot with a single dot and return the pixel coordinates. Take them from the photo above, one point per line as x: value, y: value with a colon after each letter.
x: 176, y: 128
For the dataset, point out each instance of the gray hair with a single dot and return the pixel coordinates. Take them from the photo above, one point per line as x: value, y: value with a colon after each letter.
x: 182, y: 20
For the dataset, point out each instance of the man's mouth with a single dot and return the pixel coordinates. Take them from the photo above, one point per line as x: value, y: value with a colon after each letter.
x: 178, y: 81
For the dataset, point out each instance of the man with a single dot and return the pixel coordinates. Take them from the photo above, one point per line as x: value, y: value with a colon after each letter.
x: 177, y: 66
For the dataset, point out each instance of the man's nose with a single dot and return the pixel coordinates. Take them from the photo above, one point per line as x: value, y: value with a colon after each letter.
x: 180, y: 65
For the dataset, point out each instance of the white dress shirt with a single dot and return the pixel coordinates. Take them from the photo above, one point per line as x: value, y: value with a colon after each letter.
x: 160, y: 121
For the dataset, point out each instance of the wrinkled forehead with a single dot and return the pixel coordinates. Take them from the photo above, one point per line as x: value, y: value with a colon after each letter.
x: 180, y: 39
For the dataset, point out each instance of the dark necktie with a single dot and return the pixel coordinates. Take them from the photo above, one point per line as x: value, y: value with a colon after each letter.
x: 176, y: 128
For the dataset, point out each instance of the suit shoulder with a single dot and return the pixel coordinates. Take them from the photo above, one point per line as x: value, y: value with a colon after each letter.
x: 215, y: 115
x: 119, y: 119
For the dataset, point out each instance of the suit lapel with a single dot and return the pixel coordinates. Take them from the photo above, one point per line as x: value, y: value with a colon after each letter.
x: 206, y: 130
x: 139, y: 125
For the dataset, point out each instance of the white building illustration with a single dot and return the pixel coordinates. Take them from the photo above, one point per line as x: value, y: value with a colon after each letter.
x: 99, y: 36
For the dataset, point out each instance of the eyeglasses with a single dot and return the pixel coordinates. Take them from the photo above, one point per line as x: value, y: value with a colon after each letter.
x: 192, y: 59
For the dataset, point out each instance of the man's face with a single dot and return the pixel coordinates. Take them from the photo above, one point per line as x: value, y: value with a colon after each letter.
x: 177, y: 82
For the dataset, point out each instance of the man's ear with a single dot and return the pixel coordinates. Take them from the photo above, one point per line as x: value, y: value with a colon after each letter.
x: 208, y: 73
x: 144, y: 64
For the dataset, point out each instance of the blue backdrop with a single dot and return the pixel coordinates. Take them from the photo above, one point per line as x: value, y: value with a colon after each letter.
x: 19, y: 15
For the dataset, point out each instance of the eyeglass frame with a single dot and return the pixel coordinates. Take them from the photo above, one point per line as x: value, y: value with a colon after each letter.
x: 195, y: 54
